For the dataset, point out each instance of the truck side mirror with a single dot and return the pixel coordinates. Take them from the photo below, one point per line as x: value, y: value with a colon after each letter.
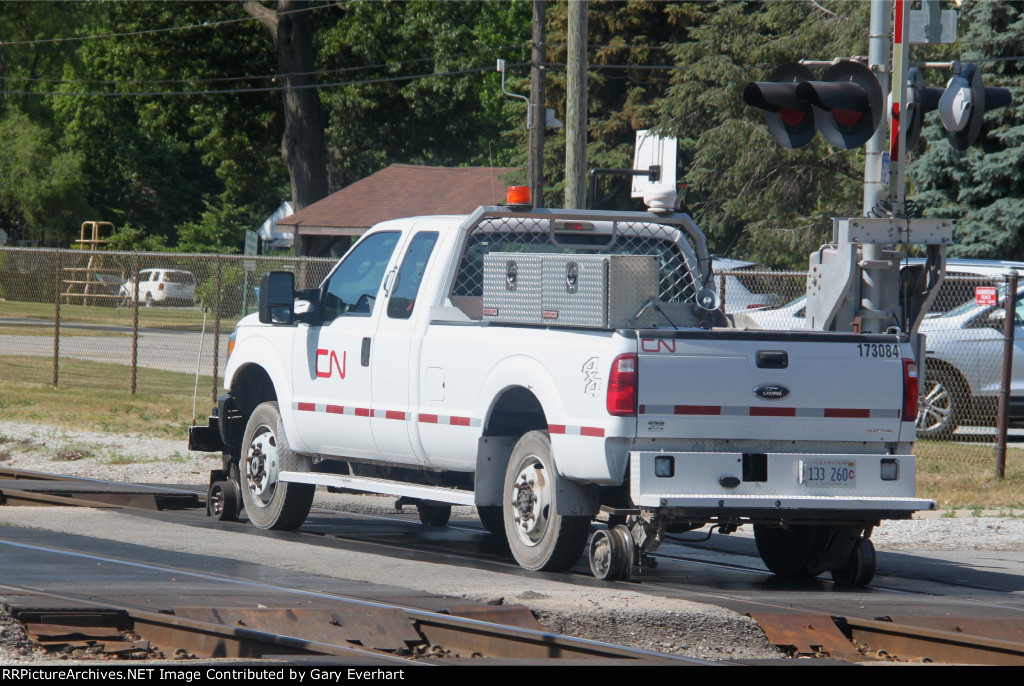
x: 277, y: 298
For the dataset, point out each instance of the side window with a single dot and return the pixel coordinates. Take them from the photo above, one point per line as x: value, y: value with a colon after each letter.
x: 410, y: 274
x: 353, y: 286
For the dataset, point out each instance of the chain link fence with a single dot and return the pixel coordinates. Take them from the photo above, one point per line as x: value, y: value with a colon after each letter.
x: 154, y: 322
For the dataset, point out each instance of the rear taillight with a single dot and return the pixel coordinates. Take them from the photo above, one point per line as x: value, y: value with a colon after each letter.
x: 161, y: 286
x: 910, y: 391
x: 622, y: 386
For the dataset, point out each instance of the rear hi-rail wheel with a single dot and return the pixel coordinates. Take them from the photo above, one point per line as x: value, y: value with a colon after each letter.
x: 859, y: 568
x: 612, y: 554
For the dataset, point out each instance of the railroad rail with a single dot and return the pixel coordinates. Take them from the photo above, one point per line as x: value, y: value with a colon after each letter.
x: 354, y: 632
x: 959, y: 640
x: 27, y: 488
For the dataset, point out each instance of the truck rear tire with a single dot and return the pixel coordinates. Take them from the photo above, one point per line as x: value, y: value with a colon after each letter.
x: 792, y: 552
x: 493, y: 519
x: 540, y: 538
x: 269, y: 503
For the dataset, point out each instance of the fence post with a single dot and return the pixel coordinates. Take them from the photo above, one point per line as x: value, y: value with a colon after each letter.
x: 216, y: 331
x: 1003, y: 418
x: 56, y: 319
x: 135, y: 324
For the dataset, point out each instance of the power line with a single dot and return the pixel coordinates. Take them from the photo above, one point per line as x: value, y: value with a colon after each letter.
x: 225, y: 79
x: 263, y: 89
x: 205, y: 24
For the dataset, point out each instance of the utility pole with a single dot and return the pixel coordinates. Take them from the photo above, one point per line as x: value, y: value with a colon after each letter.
x: 576, y: 107
x: 875, y: 163
x: 538, y: 120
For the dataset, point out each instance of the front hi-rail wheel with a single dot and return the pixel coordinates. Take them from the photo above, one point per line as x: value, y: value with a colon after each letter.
x: 223, y: 500
x: 270, y: 503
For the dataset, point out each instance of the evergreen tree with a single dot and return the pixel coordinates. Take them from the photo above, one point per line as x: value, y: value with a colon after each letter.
x: 752, y: 197
x: 982, y: 187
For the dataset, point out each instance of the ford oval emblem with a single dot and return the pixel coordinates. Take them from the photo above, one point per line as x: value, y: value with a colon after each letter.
x: 771, y: 392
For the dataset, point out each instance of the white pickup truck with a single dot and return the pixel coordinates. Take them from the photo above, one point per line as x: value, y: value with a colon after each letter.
x: 568, y: 373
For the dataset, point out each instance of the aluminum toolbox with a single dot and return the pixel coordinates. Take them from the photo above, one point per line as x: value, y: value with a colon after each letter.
x: 592, y: 291
x: 512, y: 288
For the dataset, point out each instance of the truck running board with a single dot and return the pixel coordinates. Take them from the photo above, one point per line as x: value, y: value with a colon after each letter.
x: 367, y: 484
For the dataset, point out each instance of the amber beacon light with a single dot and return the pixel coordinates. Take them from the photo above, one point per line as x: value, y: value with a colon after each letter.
x: 518, y: 197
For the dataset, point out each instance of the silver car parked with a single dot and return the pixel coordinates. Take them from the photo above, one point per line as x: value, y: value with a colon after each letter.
x: 963, y: 369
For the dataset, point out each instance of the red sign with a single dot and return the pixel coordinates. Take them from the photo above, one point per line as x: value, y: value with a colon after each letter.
x: 985, y: 295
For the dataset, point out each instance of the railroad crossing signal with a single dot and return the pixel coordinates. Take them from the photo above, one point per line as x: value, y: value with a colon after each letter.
x: 846, y: 104
x: 964, y: 103
x: 788, y: 117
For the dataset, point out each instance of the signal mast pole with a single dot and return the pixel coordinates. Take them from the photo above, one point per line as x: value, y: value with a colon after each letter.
x: 876, y: 165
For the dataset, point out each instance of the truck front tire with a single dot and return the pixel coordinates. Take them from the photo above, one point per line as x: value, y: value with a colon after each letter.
x: 540, y: 538
x: 269, y: 503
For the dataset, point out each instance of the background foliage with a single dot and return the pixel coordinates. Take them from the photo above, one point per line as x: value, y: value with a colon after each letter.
x: 165, y: 119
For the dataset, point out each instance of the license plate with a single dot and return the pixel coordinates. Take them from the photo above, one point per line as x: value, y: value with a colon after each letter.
x: 828, y: 473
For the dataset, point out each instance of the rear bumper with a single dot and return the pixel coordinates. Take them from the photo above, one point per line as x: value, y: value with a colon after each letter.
x: 771, y: 486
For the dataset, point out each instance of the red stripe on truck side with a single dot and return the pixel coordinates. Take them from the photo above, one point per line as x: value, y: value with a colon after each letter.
x: 846, y: 413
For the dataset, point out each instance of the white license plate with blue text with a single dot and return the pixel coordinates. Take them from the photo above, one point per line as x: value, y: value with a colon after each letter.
x: 828, y: 473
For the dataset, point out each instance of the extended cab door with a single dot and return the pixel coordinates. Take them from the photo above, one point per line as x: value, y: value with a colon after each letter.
x: 395, y: 356
x: 331, y: 379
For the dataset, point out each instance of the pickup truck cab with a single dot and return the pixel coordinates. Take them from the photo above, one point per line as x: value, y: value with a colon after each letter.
x: 555, y: 368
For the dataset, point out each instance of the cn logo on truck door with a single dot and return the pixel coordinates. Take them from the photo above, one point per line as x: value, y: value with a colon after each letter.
x: 327, y: 363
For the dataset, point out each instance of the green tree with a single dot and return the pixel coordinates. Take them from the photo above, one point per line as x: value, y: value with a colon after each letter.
x: 629, y: 69
x: 131, y: 238
x: 981, y: 187
x: 40, y: 185
x: 163, y: 128
x: 418, y: 84
x: 220, y: 228
x: 754, y: 198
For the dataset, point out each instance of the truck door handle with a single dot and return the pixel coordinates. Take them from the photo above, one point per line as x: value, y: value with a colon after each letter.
x: 364, y: 358
x: 772, y: 359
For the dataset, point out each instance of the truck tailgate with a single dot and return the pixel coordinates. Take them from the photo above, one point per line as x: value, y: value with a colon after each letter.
x: 812, y: 386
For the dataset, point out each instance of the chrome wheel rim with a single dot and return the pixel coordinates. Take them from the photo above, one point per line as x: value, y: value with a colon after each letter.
x: 261, y: 466
x: 531, y: 502
x: 935, y: 407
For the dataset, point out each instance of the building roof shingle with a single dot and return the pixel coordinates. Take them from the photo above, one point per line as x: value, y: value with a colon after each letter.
x: 401, y: 190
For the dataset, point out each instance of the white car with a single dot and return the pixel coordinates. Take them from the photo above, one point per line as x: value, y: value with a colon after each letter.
x: 162, y: 286
x: 962, y: 278
x: 744, y: 288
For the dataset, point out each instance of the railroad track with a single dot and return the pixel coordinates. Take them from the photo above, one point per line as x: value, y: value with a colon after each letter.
x: 805, y: 630
x: 346, y: 629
